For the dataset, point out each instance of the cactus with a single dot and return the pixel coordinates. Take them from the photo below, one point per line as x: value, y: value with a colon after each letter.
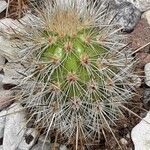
x: 78, y: 69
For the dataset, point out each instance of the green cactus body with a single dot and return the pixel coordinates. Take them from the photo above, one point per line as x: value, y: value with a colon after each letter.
x: 75, y: 60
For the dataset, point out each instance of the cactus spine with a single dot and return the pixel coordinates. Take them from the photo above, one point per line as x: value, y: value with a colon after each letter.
x: 78, y: 70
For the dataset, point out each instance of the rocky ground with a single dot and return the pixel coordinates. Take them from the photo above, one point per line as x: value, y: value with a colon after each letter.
x: 134, y: 17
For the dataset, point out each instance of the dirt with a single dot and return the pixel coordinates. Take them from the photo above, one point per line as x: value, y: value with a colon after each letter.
x: 140, y: 36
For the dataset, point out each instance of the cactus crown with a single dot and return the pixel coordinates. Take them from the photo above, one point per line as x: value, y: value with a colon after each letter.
x: 78, y: 71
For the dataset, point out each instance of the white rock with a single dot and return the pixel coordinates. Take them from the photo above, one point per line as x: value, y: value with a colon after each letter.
x: 146, y: 15
x: 1, y: 147
x: 8, y: 23
x: 29, y: 139
x: 2, y: 62
x: 2, y: 122
x: 141, y: 134
x: 14, y: 127
x: 27, y: 18
x: 147, y: 74
x: 7, y: 49
x: 30, y: 19
x: 1, y: 79
x: 12, y: 73
x: 3, y: 5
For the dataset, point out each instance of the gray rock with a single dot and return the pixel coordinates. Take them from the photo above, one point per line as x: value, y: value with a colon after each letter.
x: 146, y: 98
x: 124, y: 13
x: 127, y: 15
x: 14, y: 127
x: 142, y: 5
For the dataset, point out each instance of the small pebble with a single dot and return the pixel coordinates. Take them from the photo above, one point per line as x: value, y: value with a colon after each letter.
x: 128, y: 136
x: 124, y: 141
x: 143, y: 114
x: 146, y: 15
x: 137, y: 80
